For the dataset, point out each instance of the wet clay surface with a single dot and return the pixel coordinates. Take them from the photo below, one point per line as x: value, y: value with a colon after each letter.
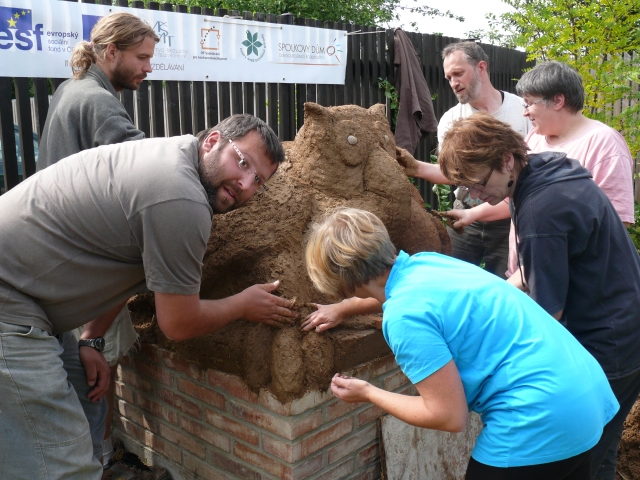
x: 629, y: 448
x: 342, y: 156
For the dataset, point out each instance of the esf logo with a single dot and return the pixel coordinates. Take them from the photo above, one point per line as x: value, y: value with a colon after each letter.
x: 16, y: 28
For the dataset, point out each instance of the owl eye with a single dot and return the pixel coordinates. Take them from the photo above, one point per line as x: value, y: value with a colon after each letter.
x: 352, y: 140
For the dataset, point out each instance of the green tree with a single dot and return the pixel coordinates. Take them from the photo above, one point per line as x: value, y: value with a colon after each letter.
x: 361, y: 12
x: 601, y: 39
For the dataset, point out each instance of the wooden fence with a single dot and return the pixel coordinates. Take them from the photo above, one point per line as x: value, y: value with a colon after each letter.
x: 167, y: 108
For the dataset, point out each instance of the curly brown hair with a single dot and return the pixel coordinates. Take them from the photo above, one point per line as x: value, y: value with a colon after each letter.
x: 474, y: 143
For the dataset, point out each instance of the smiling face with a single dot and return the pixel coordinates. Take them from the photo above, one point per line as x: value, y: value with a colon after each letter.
x: 541, y: 114
x: 229, y: 182
x: 463, y: 78
x: 131, y: 66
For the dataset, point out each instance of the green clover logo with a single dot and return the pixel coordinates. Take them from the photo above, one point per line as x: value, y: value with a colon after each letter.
x: 252, y: 43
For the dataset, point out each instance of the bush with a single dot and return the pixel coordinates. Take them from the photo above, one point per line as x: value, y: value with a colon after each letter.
x: 634, y: 230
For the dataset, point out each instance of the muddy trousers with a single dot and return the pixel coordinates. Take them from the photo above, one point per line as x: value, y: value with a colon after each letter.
x: 574, y: 468
x: 605, y: 453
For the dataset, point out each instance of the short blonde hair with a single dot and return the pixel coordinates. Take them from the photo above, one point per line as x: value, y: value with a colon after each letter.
x: 124, y: 30
x: 347, y: 250
x: 477, y: 142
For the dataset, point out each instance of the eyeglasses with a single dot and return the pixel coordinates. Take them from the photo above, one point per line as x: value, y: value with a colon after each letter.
x: 481, y: 184
x: 526, y: 105
x: 244, y: 165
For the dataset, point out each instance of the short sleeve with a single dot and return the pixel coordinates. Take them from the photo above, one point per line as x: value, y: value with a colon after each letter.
x: 417, y: 341
x: 174, y: 237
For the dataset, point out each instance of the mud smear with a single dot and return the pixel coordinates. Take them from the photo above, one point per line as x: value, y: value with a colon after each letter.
x: 629, y: 448
x: 264, y: 241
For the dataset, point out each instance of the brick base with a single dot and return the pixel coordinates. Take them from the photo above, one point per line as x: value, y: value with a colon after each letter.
x: 208, y: 424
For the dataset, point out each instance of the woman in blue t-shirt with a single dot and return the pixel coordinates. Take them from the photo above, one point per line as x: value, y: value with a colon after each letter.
x: 468, y: 341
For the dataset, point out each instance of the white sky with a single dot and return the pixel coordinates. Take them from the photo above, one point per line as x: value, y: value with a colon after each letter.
x: 472, y: 10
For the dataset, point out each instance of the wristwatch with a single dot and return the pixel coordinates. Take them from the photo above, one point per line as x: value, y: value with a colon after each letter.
x: 97, y: 343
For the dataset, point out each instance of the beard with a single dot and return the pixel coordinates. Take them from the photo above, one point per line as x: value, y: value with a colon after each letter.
x: 473, y: 89
x: 209, y: 171
x: 123, y: 77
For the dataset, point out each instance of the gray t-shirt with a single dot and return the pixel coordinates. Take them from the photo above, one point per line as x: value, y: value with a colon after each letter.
x: 85, y: 234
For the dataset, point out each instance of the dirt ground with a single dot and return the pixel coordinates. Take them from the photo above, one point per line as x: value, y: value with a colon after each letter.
x: 343, y: 156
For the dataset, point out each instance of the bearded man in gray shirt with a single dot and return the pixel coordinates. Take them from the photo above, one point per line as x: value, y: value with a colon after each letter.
x: 79, y: 238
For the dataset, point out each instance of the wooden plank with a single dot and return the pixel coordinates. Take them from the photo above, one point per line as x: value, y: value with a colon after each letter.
x: 349, y: 90
x: 286, y: 122
x: 172, y: 95
x: 366, y: 67
x: 248, y: 97
x: 382, y: 68
x: 198, y: 106
x: 224, y: 88
x: 212, y: 111
x: 156, y: 100
x: 236, y: 87
x: 342, y: 42
x: 23, y: 103
x: 7, y: 136
x: 272, y: 93
x: 261, y: 87
x: 41, y: 100
x: 388, y: 38
x: 312, y: 88
x: 301, y: 90
x: 184, y: 95
x: 331, y: 91
x: 357, y: 70
x: 322, y: 90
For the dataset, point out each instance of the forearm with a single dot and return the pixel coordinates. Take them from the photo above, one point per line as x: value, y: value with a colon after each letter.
x: 414, y: 411
x: 490, y: 213
x: 360, y: 306
x: 99, y: 326
x: 431, y: 172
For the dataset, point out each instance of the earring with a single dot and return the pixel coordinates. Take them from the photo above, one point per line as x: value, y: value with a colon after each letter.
x: 510, y: 184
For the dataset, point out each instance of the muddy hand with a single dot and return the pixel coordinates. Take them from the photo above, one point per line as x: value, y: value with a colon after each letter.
x: 349, y: 389
x: 459, y: 217
x: 324, y: 318
x: 407, y: 162
x: 263, y: 307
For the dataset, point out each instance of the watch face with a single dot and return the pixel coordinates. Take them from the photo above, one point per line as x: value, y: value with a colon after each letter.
x: 99, y: 343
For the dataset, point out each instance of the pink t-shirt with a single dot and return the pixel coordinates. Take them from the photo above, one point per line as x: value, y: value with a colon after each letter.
x: 602, y: 151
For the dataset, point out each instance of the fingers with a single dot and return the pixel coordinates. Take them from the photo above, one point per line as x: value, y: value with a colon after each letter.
x: 270, y: 287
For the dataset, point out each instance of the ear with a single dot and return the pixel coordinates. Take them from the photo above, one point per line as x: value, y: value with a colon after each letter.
x: 313, y: 111
x: 379, y: 109
x: 481, y: 66
x: 559, y: 101
x: 508, y: 161
x: 110, y: 52
x: 211, y: 141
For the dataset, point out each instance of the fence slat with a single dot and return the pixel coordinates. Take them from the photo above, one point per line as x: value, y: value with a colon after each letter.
x: 286, y: 122
x: 25, y: 126
x: 41, y: 100
x: 272, y: 93
x: 7, y: 136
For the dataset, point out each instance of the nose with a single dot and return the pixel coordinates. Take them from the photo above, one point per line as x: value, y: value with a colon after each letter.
x: 473, y: 193
x: 147, y: 67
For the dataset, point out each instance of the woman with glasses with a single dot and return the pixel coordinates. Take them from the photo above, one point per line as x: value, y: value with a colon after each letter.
x: 468, y: 341
x: 578, y: 261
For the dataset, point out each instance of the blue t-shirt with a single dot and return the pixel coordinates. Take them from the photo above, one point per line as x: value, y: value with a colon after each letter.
x: 542, y: 396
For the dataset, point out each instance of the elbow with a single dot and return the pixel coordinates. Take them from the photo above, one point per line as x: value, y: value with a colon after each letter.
x: 172, y: 330
x: 457, y: 423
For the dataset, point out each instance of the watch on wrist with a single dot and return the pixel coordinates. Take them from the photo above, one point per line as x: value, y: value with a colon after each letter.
x: 97, y: 343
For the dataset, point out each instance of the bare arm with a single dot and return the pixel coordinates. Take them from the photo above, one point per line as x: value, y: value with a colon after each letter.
x: 181, y: 317
x: 329, y: 316
x: 441, y: 405
x: 415, y: 168
x: 481, y: 213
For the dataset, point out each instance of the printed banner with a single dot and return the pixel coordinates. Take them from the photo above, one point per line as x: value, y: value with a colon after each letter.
x: 37, y: 37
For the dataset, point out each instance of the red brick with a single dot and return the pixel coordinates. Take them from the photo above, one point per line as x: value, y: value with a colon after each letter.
x: 232, y: 385
x: 285, y: 450
x: 309, y: 401
x: 156, y: 409
x: 325, y: 437
x: 276, y: 468
x: 368, y: 415
x: 137, y: 416
x: 205, y: 433
x: 184, y: 441
x: 151, y: 353
x: 124, y: 392
x: 285, y: 427
x: 202, y: 469
x: 371, y: 473
x: 342, y: 470
x: 353, y: 443
x: 160, y: 445
x: 340, y: 409
x: 175, y: 362
x: 368, y: 455
x: 152, y: 371
x: 206, y: 395
x: 237, y: 429
x: 132, y: 379
x: 179, y: 402
x: 235, y: 468
x: 129, y: 428
x: 395, y: 381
